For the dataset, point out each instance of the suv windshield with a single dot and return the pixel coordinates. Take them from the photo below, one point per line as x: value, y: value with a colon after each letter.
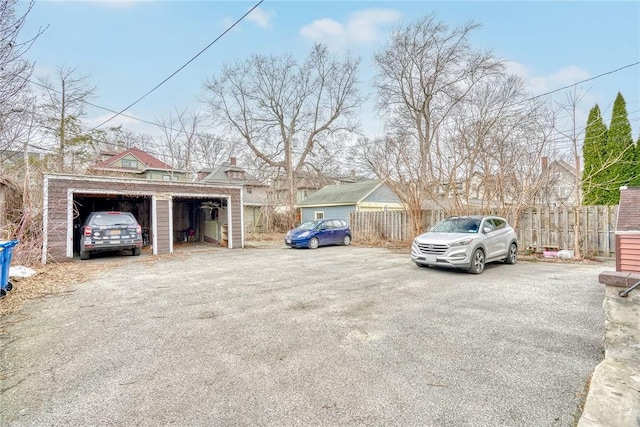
x: 457, y: 225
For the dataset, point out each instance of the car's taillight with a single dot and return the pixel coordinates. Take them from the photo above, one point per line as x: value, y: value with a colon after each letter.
x: 87, y: 231
x: 139, y: 229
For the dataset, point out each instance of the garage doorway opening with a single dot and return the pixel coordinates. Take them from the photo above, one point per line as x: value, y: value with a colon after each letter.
x: 138, y: 205
x: 200, y: 220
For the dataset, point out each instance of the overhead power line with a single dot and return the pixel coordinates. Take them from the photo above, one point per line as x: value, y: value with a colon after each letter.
x: 181, y: 68
x: 582, y: 81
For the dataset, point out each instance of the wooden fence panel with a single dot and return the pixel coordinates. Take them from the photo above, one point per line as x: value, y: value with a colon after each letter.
x: 537, y: 226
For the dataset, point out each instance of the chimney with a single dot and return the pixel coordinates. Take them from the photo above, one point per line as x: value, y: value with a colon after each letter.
x: 232, y: 161
x: 545, y: 163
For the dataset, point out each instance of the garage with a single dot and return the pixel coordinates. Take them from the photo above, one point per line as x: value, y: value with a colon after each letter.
x: 169, y: 212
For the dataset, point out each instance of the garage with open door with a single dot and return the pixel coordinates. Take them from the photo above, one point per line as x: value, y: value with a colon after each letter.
x: 168, y: 212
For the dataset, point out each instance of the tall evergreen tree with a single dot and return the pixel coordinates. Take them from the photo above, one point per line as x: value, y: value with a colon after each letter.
x: 636, y: 167
x: 621, y: 151
x: 594, y: 154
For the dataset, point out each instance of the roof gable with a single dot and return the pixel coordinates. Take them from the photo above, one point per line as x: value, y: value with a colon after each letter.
x: 221, y: 174
x: 143, y: 157
x: 342, y: 194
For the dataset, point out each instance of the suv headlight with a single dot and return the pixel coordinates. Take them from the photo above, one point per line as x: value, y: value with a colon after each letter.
x: 461, y: 243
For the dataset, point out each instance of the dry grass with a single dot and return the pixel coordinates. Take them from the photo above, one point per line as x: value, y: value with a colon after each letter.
x: 49, y: 279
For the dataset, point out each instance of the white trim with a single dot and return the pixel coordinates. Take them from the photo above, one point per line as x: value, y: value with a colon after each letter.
x: 628, y: 232
x: 123, y: 192
x: 45, y: 219
x: 154, y: 223
x: 69, y: 249
x: 143, y: 181
x: 170, y: 201
x: 242, y: 219
x: 229, y: 225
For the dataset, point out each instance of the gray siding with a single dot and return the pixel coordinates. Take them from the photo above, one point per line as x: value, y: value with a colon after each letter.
x: 334, y: 212
x: 162, y: 236
x: 382, y: 194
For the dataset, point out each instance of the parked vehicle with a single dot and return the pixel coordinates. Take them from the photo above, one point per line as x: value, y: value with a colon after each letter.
x: 467, y: 242
x: 110, y: 231
x: 322, y: 232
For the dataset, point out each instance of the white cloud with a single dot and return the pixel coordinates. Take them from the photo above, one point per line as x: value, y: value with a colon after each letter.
x: 261, y: 17
x: 539, y: 84
x: 365, y: 26
x: 362, y: 27
x: 322, y: 29
x: 563, y: 77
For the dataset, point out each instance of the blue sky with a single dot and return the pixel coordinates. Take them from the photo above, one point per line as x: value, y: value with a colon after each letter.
x: 128, y: 47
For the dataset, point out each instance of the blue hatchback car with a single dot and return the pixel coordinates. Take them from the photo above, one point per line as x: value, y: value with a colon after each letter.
x: 321, y: 232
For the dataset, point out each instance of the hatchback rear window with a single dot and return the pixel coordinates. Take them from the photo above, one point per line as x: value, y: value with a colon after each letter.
x: 114, y: 219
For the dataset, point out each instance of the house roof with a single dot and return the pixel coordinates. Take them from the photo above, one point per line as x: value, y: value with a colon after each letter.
x: 219, y: 174
x: 303, y: 180
x: 145, y: 158
x: 628, y: 218
x: 561, y: 164
x: 342, y: 194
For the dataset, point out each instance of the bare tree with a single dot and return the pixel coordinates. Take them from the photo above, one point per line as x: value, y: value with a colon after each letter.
x: 15, y: 101
x: 211, y: 150
x: 62, y: 111
x: 424, y: 72
x: 499, y: 139
x: 285, y: 112
x: 186, y: 147
x: 15, y: 71
x: 120, y: 138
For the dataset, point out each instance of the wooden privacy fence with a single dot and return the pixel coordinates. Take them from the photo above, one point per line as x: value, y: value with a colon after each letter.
x: 536, y: 227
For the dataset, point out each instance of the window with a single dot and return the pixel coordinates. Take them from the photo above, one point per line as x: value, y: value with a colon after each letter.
x: 133, y: 164
x: 166, y: 178
x: 488, y: 223
x: 235, y: 175
x: 318, y: 215
x: 499, y: 223
x: 249, y: 190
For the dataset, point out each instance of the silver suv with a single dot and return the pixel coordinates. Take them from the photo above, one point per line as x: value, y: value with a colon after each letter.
x: 110, y: 231
x: 466, y: 242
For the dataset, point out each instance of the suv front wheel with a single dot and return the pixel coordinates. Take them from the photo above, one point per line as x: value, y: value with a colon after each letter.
x: 477, y: 262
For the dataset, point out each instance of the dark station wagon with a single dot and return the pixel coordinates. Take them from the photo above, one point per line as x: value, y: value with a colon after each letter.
x: 110, y: 231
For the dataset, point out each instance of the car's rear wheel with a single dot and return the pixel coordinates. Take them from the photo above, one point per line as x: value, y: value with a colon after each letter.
x: 84, y: 255
x: 136, y: 251
x: 314, y: 243
x: 512, y: 257
x: 347, y: 240
x: 477, y: 262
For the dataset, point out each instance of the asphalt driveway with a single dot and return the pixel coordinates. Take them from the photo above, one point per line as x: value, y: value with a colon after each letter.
x: 333, y: 336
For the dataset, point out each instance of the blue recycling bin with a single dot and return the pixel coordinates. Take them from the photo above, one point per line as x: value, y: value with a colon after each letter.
x: 6, y: 252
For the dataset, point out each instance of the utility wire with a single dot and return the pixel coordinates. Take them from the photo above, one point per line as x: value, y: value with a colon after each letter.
x: 181, y: 68
x: 373, y: 141
x: 582, y: 81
